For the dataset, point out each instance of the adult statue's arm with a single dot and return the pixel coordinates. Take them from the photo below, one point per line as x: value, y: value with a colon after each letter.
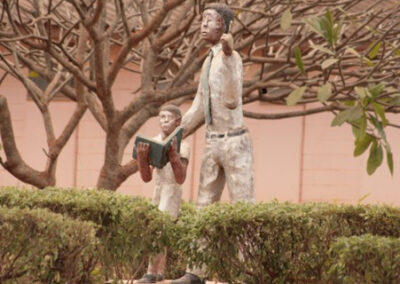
x: 195, y: 114
x: 233, y: 74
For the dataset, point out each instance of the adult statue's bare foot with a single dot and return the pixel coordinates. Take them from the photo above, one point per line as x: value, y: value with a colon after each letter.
x: 189, y: 278
x: 150, y: 278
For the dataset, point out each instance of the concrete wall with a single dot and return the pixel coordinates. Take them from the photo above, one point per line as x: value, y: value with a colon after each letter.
x: 297, y: 159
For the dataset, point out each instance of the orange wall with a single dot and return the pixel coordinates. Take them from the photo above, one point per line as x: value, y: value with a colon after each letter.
x: 296, y: 159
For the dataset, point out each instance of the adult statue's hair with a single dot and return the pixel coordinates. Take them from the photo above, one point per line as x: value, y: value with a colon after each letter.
x: 224, y: 11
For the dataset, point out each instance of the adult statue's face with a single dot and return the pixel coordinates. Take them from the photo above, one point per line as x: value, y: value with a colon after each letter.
x: 212, y: 26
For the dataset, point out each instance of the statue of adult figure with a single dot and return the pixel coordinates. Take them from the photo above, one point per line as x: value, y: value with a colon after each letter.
x: 228, y: 151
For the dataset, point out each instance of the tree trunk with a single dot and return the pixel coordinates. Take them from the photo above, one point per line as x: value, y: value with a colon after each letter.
x: 109, y: 173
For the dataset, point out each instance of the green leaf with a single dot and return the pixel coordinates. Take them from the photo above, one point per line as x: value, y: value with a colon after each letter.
x: 337, y: 31
x: 356, y: 113
x: 328, y: 62
x: 340, y: 118
x: 299, y: 60
x: 286, y: 20
x: 295, y: 96
x: 368, y: 62
x: 363, y: 127
x: 33, y: 74
x: 350, y: 114
x: 378, y: 125
x: 376, y: 90
x: 359, y: 130
x: 361, y: 92
x: 348, y: 102
x: 353, y: 51
x: 356, y: 131
x: 329, y: 32
x: 314, y: 25
x: 321, y: 48
x: 374, y: 49
x: 389, y: 159
x: 362, y: 145
x: 362, y: 198
x: 380, y: 111
x: 325, y: 92
x: 375, y: 158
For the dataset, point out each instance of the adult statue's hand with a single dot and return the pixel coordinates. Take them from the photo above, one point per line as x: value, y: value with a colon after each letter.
x: 227, y: 44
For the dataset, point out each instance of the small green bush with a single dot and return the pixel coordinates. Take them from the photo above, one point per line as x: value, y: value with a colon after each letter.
x: 130, y: 229
x: 177, y: 260
x: 40, y: 246
x: 364, y: 259
x: 276, y: 242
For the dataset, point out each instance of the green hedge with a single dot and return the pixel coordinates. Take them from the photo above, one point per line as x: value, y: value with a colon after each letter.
x: 263, y: 243
x: 364, y: 259
x: 277, y: 242
x: 130, y: 229
x: 177, y: 259
x: 41, y: 246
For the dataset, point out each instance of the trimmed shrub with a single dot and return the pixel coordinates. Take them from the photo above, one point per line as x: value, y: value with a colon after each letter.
x: 364, y: 259
x: 130, y: 229
x: 276, y: 242
x: 263, y: 243
x: 40, y: 246
x: 177, y: 260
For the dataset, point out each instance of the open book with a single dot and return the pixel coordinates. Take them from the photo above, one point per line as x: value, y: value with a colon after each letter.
x: 158, y: 156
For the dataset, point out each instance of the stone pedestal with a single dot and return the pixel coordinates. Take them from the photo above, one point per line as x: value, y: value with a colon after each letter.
x: 163, y: 282
x: 207, y: 282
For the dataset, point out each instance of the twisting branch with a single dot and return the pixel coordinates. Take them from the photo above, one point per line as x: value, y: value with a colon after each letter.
x: 342, y: 54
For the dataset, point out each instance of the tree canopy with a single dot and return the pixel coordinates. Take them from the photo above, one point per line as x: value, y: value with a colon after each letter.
x: 331, y: 56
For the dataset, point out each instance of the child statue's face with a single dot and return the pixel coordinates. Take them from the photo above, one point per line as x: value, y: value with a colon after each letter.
x: 212, y: 26
x: 168, y: 122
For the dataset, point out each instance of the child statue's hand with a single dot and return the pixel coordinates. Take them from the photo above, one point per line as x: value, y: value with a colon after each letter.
x: 172, y: 150
x: 143, y: 150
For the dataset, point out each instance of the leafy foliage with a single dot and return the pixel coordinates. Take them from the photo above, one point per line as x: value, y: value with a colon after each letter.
x: 130, y: 229
x: 38, y: 245
x: 364, y: 259
x: 252, y: 243
x: 275, y: 242
x: 369, y: 100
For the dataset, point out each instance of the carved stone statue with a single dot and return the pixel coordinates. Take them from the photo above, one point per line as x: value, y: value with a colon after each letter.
x: 168, y: 191
x: 228, y: 152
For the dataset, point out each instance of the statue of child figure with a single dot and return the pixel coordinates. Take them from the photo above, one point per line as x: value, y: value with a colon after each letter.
x: 168, y: 180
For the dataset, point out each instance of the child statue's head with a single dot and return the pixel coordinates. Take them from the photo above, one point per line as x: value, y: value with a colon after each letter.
x: 170, y: 117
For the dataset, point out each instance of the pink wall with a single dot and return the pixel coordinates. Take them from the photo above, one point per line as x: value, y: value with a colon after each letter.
x: 297, y: 159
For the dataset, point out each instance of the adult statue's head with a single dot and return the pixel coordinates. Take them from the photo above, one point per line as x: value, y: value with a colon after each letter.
x: 216, y: 20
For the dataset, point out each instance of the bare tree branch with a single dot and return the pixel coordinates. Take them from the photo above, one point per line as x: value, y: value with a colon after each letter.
x: 343, y: 55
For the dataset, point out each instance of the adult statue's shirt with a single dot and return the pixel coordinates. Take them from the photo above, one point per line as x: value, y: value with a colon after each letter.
x: 226, y: 75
